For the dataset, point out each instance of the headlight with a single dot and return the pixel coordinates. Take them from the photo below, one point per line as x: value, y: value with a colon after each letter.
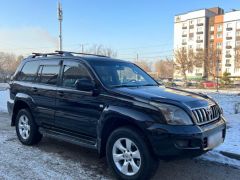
x: 173, y: 114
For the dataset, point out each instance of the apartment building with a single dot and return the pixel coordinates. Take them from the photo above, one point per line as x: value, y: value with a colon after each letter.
x: 215, y: 32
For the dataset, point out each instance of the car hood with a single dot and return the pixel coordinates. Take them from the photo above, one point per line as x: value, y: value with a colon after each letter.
x: 162, y: 94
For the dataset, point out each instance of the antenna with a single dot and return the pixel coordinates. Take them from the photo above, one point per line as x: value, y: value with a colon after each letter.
x: 60, y: 18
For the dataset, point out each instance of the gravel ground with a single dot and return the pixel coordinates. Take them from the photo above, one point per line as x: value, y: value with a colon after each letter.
x: 52, y: 159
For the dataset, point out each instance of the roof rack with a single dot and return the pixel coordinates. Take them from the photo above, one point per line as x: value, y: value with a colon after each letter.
x: 62, y: 53
x: 87, y: 54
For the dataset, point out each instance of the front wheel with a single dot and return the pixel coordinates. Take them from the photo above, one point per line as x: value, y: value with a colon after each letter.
x: 129, y: 156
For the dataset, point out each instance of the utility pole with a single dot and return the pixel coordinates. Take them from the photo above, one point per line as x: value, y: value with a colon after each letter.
x: 60, y: 18
x: 137, y: 57
x: 82, y: 46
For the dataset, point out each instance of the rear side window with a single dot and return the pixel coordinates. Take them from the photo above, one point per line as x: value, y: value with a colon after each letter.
x: 72, y: 73
x: 28, y: 72
x: 49, y: 74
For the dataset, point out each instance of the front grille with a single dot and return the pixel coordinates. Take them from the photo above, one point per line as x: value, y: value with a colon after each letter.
x: 207, y: 114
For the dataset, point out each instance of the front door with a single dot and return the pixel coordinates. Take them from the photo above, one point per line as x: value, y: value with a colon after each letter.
x: 76, y: 111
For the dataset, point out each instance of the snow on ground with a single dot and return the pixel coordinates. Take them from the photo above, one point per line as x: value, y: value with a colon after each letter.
x: 226, y: 99
x: 4, y: 96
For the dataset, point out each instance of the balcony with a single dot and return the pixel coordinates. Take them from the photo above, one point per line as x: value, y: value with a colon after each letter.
x: 199, y: 41
x: 228, y: 56
x: 184, y: 27
x: 200, y: 32
x: 228, y: 37
x: 184, y: 43
x: 228, y: 65
x: 229, y: 28
x: 228, y: 47
x: 191, y: 26
x: 184, y: 35
x: 200, y: 24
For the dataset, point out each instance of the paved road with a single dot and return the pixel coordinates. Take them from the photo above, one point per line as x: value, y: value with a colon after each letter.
x: 53, y: 159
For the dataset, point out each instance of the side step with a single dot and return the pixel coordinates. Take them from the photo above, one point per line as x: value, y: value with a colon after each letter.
x: 69, y: 138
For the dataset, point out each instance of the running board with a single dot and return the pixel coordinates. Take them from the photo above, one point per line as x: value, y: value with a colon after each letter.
x: 68, y: 138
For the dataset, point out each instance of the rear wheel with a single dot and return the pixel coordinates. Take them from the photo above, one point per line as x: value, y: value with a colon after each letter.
x: 129, y: 156
x: 26, y: 128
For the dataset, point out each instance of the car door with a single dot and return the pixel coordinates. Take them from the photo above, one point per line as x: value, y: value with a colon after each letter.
x: 44, y: 91
x: 76, y: 111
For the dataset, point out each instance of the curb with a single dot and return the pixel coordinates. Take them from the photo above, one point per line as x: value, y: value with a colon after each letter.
x: 231, y: 155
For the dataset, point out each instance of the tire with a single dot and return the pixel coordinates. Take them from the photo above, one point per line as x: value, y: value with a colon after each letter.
x: 26, y: 128
x: 138, y: 163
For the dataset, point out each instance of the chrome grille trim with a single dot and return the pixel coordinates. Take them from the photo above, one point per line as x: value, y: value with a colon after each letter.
x: 205, y: 115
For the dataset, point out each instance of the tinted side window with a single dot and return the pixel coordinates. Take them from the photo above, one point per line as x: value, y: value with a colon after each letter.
x: 49, y: 74
x: 28, y: 72
x: 72, y: 73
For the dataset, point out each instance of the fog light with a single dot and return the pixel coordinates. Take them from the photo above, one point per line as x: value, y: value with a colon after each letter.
x: 182, y: 143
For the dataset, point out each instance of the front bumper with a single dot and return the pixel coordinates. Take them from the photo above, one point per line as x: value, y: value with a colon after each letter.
x: 186, y: 141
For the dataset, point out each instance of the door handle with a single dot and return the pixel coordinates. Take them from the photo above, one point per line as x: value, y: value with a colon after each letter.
x: 60, y: 93
x: 34, y: 89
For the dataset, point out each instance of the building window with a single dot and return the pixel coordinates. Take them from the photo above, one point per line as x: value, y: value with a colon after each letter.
x: 227, y: 61
x: 219, y: 28
x: 219, y: 45
x: 228, y: 52
x: 184, y: 24
x: 199, y: 20
x: 227, y: 70
x: 199, y: 46
x: 191, y: 22
x: 212, y: 37
x: 211, y: 28
x: 238, y: 33
x: 219, y: 35
x: 228, y: 43
x: 237, y: 43
x: 238, y: 24
x: 199, y: 29
x: 229, y: 25
x: 199, y: 38
x: 228, y: 34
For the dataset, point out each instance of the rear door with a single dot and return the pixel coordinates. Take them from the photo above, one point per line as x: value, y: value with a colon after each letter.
x: 44, y: 91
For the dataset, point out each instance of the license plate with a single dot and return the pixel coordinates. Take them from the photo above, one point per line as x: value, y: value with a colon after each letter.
x: 215, y: 139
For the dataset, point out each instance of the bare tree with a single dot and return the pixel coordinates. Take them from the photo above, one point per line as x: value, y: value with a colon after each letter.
x: 101, y: 50
x: 183, y: 61
x: 8, y: 64
x: 164, y: 68
x: 143, y: 64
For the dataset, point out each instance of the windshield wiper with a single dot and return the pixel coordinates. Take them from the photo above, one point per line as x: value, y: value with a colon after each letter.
x: 149, y: 85
x: 123, y: 85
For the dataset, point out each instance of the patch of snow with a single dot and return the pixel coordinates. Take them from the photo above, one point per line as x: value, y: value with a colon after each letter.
x: 4, y: 97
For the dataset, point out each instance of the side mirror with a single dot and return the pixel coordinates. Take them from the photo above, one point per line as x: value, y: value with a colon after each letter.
x: 85, y: 85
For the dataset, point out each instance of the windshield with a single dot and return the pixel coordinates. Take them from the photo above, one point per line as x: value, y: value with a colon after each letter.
x: 121, y: 74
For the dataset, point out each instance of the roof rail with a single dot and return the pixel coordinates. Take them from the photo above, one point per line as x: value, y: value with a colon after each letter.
x: 42, y: 54
x: 63, y: 53
x: 87, y: 54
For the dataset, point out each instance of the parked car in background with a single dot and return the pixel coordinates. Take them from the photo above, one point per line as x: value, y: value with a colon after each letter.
x: 178, y: 82
x: 210, y: 84
x: 113, y: 107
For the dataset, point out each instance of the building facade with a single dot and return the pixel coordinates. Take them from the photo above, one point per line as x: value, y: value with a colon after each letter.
x: 216, y: 34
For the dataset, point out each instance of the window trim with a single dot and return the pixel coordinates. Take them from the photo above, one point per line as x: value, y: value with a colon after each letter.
x: 71, y: 63
x: 40, y: 68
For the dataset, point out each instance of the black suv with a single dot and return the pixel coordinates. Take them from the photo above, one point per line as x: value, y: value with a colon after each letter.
x: 111, y: 106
